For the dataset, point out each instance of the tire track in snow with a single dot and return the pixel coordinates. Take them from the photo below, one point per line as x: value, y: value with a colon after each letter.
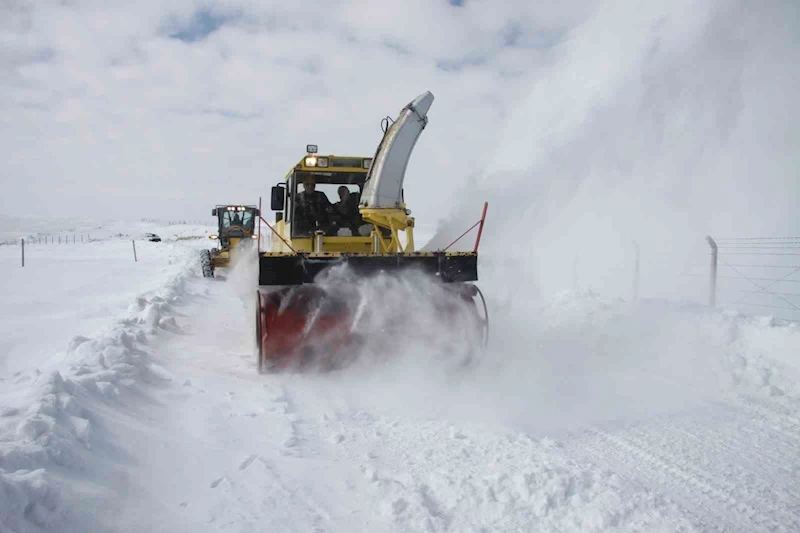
x: 432, y: 476
x: 245, y: 441
x: 697, y: 461
x: 260, y: 448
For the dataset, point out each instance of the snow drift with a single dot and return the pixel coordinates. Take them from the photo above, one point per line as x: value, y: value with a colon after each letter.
x: 54, y: 421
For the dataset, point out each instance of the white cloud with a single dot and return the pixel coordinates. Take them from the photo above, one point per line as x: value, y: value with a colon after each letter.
x: 103, y: 110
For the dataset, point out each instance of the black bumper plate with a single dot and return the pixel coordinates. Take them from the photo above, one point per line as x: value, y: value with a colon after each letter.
x: 291, y: 269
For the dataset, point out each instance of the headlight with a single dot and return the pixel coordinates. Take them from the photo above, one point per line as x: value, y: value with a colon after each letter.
x: 322, y: 161
x: 311, y: 161
x: 311, y: 148
x: 367, y: 163
x: 255, y: 237
x: 212, y: 236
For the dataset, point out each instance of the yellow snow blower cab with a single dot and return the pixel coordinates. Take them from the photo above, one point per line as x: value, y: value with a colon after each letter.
x: 349, y: 212
x: 235, y: 233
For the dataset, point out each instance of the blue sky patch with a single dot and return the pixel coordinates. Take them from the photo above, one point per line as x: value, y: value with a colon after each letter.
x: 202, y: 24
x: 456, y: 65
x: 396, y: 46
x: 512, y: 34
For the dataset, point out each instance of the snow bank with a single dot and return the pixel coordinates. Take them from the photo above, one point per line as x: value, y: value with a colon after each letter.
x: 27, y: 497
x: 54, y: 423
x: 763, y: 355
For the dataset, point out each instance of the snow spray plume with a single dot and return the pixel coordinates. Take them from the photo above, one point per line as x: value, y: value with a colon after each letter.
x: 682, y: 125
x: 243, y: 270
x: 655, y: 124
x: 402, y: 315
x: 243, y: 280
x: 582, y: 361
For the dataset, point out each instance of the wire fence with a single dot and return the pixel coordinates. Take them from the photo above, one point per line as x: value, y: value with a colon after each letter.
x: 759, y: 275
x: 170, y: 222
x: 752, y: 275
x: 70, y: 236
x: 73, y: 238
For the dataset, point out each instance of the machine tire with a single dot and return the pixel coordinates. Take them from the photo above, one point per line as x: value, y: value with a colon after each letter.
x: 259, y: 338
x: 205, y: 263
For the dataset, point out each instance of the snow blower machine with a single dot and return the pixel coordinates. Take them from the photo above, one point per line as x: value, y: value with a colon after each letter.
x: 235, y: 233
x: 348, y: 214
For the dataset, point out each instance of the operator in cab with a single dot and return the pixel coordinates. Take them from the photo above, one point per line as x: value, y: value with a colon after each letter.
x: 345, y: 211
x: 313, y: 208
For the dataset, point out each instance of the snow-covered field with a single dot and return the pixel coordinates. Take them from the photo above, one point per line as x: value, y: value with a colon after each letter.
x: 129, y: 401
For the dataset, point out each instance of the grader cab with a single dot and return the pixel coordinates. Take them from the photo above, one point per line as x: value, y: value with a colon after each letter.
x: 235, y: 232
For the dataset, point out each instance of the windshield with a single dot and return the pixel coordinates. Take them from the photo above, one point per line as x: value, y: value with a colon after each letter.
x: 329, y: 183
x: 331, y: 190
x: 326, y: 201
x: 245, y: 219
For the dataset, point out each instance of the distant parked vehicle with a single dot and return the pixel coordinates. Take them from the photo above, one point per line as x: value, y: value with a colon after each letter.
x: 152, y: 237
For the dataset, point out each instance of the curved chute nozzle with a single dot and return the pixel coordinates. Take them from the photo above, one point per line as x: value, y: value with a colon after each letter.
x: 384, y: 184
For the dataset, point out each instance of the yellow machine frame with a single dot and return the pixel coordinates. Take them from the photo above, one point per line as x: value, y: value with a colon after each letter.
x: 395, y: 220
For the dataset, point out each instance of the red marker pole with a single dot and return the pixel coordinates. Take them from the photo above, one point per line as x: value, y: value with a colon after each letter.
x: 480, y: 229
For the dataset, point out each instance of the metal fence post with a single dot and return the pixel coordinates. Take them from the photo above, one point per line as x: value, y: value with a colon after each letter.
x: 23, y: 252
x: 134, y: 251
x: 636, y: 272
x: 712, y: 294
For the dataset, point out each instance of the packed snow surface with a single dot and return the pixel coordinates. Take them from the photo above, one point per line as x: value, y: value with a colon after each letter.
x: 130, y: 401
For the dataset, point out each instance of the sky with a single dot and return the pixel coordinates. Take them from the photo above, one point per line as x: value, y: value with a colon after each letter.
x: 164, y: 109
x: 590, y: 127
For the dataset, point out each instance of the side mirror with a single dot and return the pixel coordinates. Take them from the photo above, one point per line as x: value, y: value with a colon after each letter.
x: 276, y: 202
x: 214, y: 212
x: 258, y: 213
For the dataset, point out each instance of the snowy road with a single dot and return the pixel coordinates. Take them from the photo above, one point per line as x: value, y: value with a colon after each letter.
x: 314, y: 453
x: 333, y: 453
x: 599, y: 418
x: 731, y: 467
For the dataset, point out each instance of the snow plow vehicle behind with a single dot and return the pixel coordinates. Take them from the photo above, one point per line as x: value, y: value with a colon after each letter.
x: 341, y: 220
x: 235, y: 233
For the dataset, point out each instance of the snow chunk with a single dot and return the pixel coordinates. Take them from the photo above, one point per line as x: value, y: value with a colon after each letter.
x: 76, y: 342
x: 159, y: 372
x: 28, y: 497
x: 168, y: 323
